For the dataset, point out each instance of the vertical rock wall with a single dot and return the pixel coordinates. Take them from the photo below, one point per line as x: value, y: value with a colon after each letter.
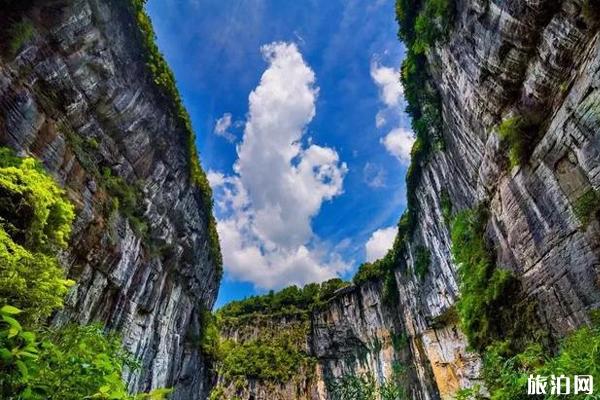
x: 79, y: 97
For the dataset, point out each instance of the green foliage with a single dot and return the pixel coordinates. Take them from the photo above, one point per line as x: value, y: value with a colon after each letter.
x: 400, y: 342
x: 291, y: 300
x: 446, y: 206
x: 521, y: 135
x: 506, y: 372
x: 127, y: 199
x: 217, y: 393
x: 352, y: 387
x: 363, y: 387
x: 422, y: 261
x: 35, y: 221
x: 432, y: 23
x: 19, y: 34
x: 368, y: 272
x: 275, y: 355
x: 587, y: 207
x: 210, y: 339
x: 165, y: 80
x: 33, y: 208
x: 485, y: 290
x: 71, y: 363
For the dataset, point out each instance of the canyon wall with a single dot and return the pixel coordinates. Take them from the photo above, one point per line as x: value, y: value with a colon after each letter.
x: 538, y: 62
x: 504, y: 60
x: 78, y: 95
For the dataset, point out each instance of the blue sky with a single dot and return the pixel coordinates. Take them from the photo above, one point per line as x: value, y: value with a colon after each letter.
x: 300, y: 124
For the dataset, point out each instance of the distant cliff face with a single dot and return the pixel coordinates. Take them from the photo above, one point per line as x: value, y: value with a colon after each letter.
x: 519, y: 87
x: 76, y: 93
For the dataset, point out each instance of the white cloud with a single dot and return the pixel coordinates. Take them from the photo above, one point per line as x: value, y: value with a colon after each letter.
x: 374, y: 175
x: 398, y: 142
x: 222, y: 127
x: 380, y: 119
x: 388, y: 81
x: 279, y: 184
x: 380, y: 242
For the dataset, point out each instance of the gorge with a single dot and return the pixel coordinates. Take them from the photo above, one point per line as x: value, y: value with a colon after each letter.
x: 497, y: 257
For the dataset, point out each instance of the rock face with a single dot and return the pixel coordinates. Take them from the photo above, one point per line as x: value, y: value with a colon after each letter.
x: 79, y: 97
x: 541, y: 61
x: 535, y: 60
x: 77, y: 94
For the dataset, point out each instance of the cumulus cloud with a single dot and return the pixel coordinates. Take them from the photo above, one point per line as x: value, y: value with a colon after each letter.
x: 388, y: 81
x: 380, y: 242
x: 222, y: 127
x: 279, y: 184
x: 398, y: 142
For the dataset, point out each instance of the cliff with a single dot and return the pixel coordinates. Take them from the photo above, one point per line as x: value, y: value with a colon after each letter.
x: 500, y: 240
x: 76, y: 92
x: 508, y: 125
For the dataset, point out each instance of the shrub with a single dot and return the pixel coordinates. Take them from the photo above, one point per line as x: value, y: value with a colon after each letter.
x: 485, y: 290
x: 422, y: 261
x: 276, y: 355
x: 352, y: 387
x: 521, y: 135
x: 19, y: 34
x: 506, y: 372
x: 432, y: 23
x: 368, y: 272
x: 364, y: 387
x: 587, y: 207
x: 446, y: 206
x: 35, y: 221
x: 128, y: 199
x: 210, y: 337
x: 71, y: 363
x: 33, y: 208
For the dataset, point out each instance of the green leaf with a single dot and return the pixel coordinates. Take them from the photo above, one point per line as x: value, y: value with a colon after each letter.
x: 14, y: 324
x: 10, y: 310
x: 12, y: 332
x: 5, y: 355
x: 22, y: 367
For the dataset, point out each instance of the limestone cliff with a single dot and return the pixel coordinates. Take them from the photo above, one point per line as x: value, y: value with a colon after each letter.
x: 500, y: 62
x: 76, y: 92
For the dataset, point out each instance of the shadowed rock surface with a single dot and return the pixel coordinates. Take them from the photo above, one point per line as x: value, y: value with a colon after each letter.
x: 78, y: 96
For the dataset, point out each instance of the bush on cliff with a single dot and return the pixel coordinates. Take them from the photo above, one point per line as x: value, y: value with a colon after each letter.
x: 485, y: 291
x: 521, y: 135
x: 36, y: 361
x: 35, y: 222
